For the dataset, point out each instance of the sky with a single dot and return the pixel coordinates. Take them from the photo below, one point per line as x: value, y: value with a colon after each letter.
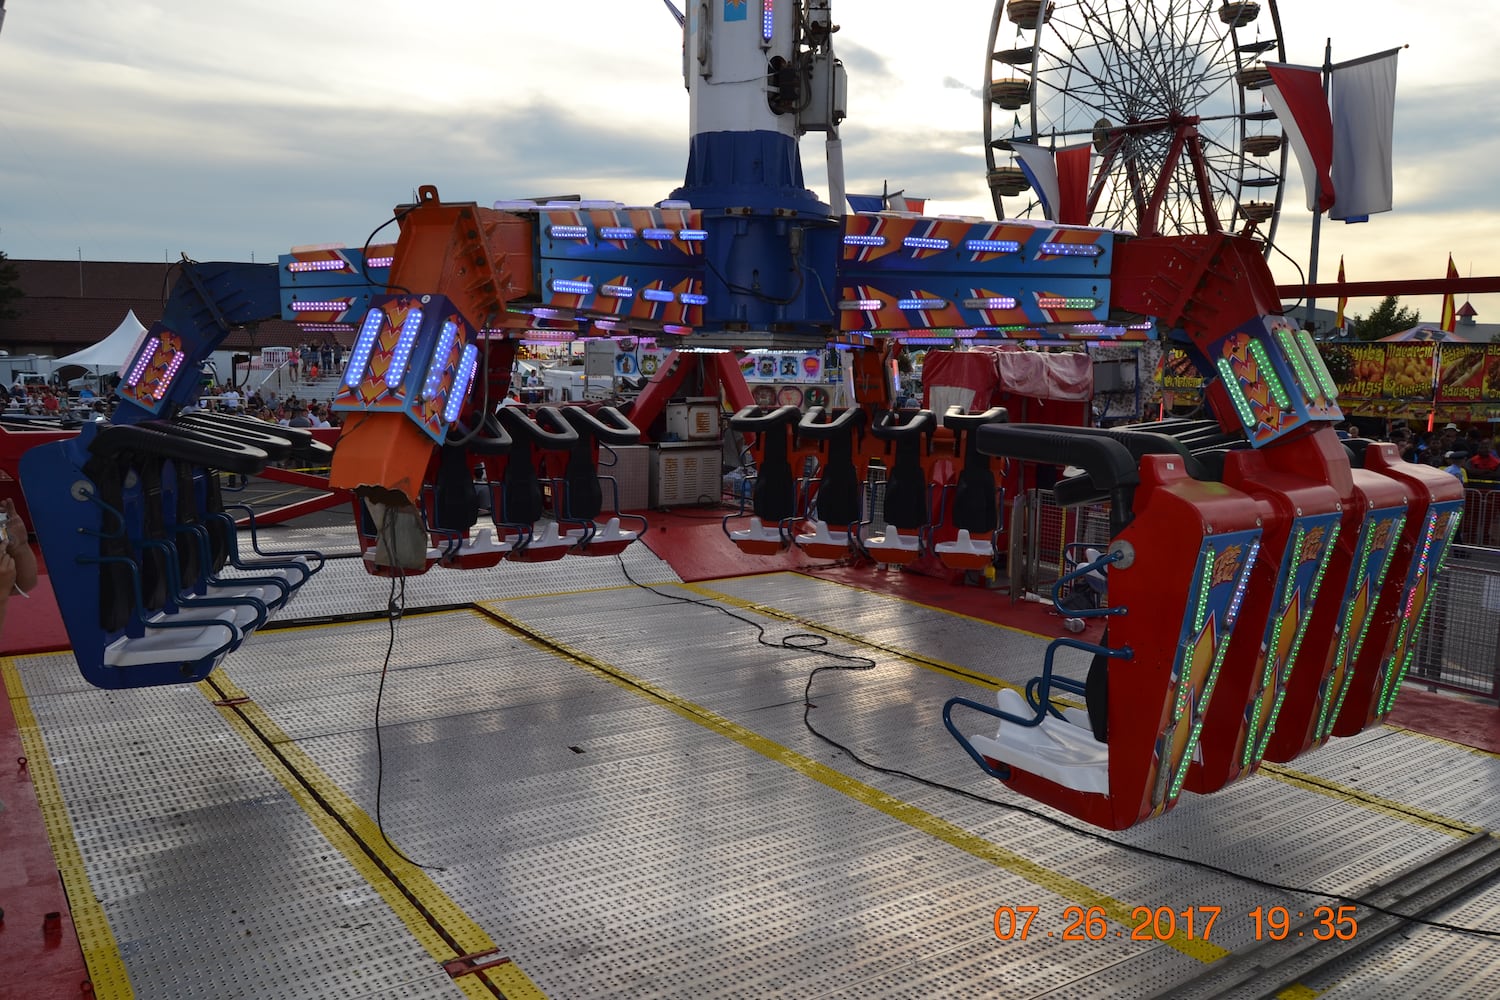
x: 133, y: 130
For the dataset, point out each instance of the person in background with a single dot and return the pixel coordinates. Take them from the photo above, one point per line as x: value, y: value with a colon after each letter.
x: 1447, y: 441
x: 1455, y: 466
x: 1484, y: 462
x: 17, y: 561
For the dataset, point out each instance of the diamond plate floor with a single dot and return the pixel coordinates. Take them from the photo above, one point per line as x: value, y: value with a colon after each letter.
x: 618, y: 789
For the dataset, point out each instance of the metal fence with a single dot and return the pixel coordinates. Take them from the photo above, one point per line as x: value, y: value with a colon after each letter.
x: 1459, y: 649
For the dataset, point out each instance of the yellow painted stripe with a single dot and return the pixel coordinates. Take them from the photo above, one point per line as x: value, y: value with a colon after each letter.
x: 933, y: 826
x: 1322, y: 786
x: 471, y: 938
x: 101, y: 952
x: 930, y: 607
x: 912, y: 656
x: 1375, y: 803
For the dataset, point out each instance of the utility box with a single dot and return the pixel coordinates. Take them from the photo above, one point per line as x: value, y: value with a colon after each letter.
x: 693, y: 419
x: 685, y: 475
x: 631, y: 470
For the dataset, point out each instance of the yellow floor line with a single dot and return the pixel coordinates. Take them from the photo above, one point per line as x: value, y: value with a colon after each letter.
x: 101, y: 952
x: 1376, y: 803
x: 919, y: 659
x: 915, y: 603
x: 472, y: 939
x: 1323, y: 786
x: 934, y: 826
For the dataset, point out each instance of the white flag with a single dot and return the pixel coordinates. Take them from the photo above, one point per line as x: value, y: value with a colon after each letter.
x: 1364, y: 116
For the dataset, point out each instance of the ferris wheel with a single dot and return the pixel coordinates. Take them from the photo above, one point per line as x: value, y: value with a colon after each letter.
x: 1167, y: 94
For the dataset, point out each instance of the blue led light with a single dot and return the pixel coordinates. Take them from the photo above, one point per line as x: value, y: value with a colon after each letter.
x: 439, y: 361
x: 992, y: 246
x: 767, y: 19
x: 363, y: 345
x: 925, y: 243
x: 657, y: 235
x: 693, y: 299
x: 568, y: 232
x: 862, y: 240
x: 921, y: 303
x: 1072, y: 249
x: 674, y: 328
x: 617, y: 291
x: 461, y: 383
x: 402, y: 354
x: 617, y: 233
x: 147, y: 353
x: 994, y: 302
x: 657, y: 295
x: 567, y: 286
x: 860, y: 305
x: 693, y: 235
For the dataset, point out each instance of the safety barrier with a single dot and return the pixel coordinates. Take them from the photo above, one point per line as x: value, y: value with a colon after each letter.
x: 1460, y: 647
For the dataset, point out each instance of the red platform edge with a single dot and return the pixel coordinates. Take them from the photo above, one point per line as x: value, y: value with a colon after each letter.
x: 40, y: 957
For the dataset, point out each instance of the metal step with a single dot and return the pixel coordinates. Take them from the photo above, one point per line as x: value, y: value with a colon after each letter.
x: 1270, y: 966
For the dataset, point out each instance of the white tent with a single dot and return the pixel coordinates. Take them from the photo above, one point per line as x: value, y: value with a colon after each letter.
x: 111, y: 352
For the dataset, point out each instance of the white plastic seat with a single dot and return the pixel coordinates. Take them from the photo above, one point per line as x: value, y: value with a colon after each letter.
x: 822, y: 543
x: 891, y: 546
x: 546, y: 544
x: 1061, y: 750
x: 607, y: 540
x: 758, y: 540
x: 175, y: 645
x: 965, y: 552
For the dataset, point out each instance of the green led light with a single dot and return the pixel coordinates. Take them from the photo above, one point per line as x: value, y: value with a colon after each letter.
x: 1205, y: 585
x: 1438, y: 560
x: 1293, y: 353
x: 1302, y: 623
x: 1268, y: 375
x: 1236, y: 393
x: 1319, y: 367
x: 1356, y: 580
x: 1209, y: 684
x: 1364, y: 628
x: 1272, y: 669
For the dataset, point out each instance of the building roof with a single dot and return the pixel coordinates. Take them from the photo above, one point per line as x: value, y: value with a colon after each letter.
x: 70, y: 304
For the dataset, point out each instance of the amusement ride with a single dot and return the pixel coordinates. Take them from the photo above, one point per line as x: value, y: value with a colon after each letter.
x: 1264, y: 582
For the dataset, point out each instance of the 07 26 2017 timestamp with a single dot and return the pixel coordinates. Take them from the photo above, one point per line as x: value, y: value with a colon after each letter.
x: 1166, y: 923
x: 1091, y: 923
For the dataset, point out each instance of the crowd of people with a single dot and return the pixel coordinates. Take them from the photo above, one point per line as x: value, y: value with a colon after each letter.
x: 1467, y: 454
x: 265, y: 404
x: 315, y: 359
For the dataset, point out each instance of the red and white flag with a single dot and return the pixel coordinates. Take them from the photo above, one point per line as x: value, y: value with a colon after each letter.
x: 1061, y: 181
x: 1450, y: 317
x: 1296, y: 95
x: 1345, y: 154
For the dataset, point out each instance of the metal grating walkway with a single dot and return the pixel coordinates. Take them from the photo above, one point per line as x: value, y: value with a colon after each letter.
x: 615, y: 790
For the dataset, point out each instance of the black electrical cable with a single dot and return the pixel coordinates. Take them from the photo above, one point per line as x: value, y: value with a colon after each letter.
x: 395, y: 606
x: 816, y: 642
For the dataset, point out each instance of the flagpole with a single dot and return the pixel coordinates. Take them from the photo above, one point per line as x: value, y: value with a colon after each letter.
x: 1317, y: 219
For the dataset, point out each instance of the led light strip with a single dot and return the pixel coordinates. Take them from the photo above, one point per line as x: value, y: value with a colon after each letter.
x: 1419, y: 574
x: 1285, y: 593
x: 1302, y: 623
x: 1267, y: 372
x: 1364, y: 627
x: 439, y: 360
x: 1210, y: 682
x: 460, y: 389
x: 1439, y: 559
x: 402, y: 354
x: 1236, y: 394
x: 1305, y: 381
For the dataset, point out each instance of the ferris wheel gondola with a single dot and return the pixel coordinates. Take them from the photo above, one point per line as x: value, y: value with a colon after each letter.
x: 1167, y: 94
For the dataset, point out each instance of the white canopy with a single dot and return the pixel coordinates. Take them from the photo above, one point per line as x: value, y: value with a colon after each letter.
x: 111, y: 352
